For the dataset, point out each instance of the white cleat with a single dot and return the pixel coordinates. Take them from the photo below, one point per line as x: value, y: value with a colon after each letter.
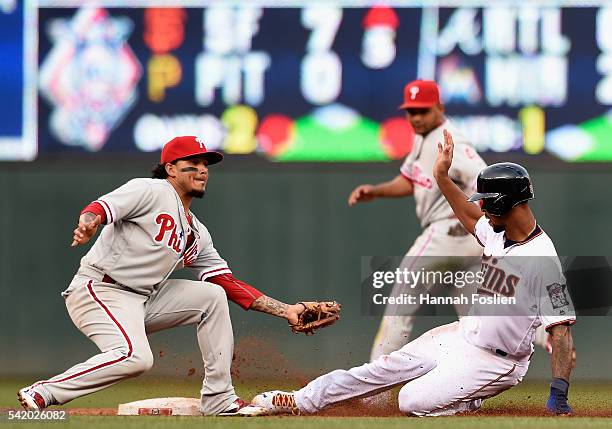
x: 234, y: 408
x: 31, y: 400
x: 270, y: 404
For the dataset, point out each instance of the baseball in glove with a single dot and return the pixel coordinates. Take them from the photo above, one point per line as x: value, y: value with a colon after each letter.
x: 316, y: 315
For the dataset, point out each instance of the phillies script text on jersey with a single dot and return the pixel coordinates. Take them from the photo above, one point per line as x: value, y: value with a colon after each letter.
x: 167, y: 224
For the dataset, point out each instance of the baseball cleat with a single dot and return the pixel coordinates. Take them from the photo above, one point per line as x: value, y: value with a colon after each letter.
x: 234, y: 408
x: 270, y: 404
x: 31, y: 400
x: 253, y: 411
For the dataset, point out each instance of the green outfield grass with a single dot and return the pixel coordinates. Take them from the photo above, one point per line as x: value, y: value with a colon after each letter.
x: 586, y: 398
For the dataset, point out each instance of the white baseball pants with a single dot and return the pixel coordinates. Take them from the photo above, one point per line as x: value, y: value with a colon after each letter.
x: 118, y: 322
x: 443, y: 375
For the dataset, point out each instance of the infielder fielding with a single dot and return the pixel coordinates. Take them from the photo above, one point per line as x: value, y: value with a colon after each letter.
x: 442, y: 235
x: 454, y: 367
x: 121, y: 291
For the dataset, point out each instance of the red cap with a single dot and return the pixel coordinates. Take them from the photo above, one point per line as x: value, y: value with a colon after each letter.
x: 187, y: 146
x: 420, y: 94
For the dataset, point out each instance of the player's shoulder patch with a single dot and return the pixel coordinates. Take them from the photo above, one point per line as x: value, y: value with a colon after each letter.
x: 557, y: 295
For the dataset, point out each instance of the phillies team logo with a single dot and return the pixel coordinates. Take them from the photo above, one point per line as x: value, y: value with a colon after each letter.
x: 413, y: 92
x: 417, y: 176
x: 167, y: 227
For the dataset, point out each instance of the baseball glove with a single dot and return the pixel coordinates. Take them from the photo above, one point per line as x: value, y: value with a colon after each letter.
x: 316, y: 315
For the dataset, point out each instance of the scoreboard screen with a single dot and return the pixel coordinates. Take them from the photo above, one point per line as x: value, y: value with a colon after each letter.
x: 321, y: 81
x: 17, y: 81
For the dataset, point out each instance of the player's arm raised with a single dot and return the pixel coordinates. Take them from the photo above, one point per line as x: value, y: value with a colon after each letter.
x: 397, y: 187
x: 467, y: 213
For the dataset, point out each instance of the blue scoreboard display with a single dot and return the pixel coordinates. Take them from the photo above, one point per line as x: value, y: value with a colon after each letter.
x: 17, y: 81
x: 317, y: 81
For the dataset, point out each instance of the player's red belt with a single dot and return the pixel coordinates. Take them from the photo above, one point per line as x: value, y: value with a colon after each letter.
x: 108, y: 279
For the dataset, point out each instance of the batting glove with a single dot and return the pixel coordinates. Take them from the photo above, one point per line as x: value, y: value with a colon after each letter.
x: 557, y: 401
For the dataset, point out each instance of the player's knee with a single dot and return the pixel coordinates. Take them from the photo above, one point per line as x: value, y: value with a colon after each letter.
x: 140, y: 361
x: 412, y: 404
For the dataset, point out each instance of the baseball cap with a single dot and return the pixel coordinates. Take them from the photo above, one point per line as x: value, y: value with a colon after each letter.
x: 420, y: 94
x: 188, y: 146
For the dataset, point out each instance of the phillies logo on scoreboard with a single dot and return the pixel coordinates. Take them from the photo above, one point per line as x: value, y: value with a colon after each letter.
x: 167, y: 226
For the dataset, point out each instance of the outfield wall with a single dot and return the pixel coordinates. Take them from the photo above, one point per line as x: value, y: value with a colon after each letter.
x: 284, y: 228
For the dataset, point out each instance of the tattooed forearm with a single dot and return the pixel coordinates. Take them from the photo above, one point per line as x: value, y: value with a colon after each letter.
x: 265, y: 304
x: 561, y: 359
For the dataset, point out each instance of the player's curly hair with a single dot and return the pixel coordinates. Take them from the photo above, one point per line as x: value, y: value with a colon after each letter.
x: 159, y: 172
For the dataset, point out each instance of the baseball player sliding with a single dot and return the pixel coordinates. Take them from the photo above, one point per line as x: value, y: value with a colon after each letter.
x: 442, y: 235
x: 454, y: 367
x: 121, y: 292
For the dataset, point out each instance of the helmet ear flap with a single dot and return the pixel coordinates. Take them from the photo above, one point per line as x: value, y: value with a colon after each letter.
x: 497, y: 206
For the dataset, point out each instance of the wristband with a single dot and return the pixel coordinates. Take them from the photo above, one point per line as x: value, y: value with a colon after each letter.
x: 560, y: 384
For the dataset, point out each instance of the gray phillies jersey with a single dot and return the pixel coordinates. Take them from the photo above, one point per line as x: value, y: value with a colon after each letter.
x: 431, y: 205
x: 146, y: 238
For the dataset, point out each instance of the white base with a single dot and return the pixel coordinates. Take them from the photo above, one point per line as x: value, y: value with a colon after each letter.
x: 161, y: 407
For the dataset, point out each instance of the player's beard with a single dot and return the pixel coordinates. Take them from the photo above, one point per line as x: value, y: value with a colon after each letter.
x: 197, y: 194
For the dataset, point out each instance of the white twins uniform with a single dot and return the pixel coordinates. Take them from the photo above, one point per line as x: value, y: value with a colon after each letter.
x: 531, y: 272
x: 454, y: 367
x: 148, y: 236
x: 442, y: 234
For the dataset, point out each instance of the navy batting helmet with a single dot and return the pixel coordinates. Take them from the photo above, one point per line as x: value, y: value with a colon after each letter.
x: 501, y: 187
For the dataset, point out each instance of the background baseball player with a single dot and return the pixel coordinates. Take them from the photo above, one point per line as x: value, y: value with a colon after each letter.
x: 121, y: 291
x: 442, y: 234
x: 454, y: 367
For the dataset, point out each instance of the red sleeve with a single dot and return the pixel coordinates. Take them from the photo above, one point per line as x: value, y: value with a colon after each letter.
x: 97, y: 209
x: 238, y: 291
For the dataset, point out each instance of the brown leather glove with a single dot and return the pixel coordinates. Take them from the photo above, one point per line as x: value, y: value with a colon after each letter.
x: 316, y: 315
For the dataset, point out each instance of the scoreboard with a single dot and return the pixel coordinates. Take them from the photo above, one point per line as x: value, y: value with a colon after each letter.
x: 17, y: 81
x: 318, y: 81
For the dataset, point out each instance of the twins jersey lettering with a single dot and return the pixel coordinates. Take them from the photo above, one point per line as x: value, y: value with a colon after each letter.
x: 529, y: 272
x: 418, y: 166
x: 158, y: 239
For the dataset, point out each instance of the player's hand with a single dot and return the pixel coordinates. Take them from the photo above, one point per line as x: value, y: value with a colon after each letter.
x: 292, y: 313
x: 445, y: 156
x: 88, y: 225
x: 360, y: 194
